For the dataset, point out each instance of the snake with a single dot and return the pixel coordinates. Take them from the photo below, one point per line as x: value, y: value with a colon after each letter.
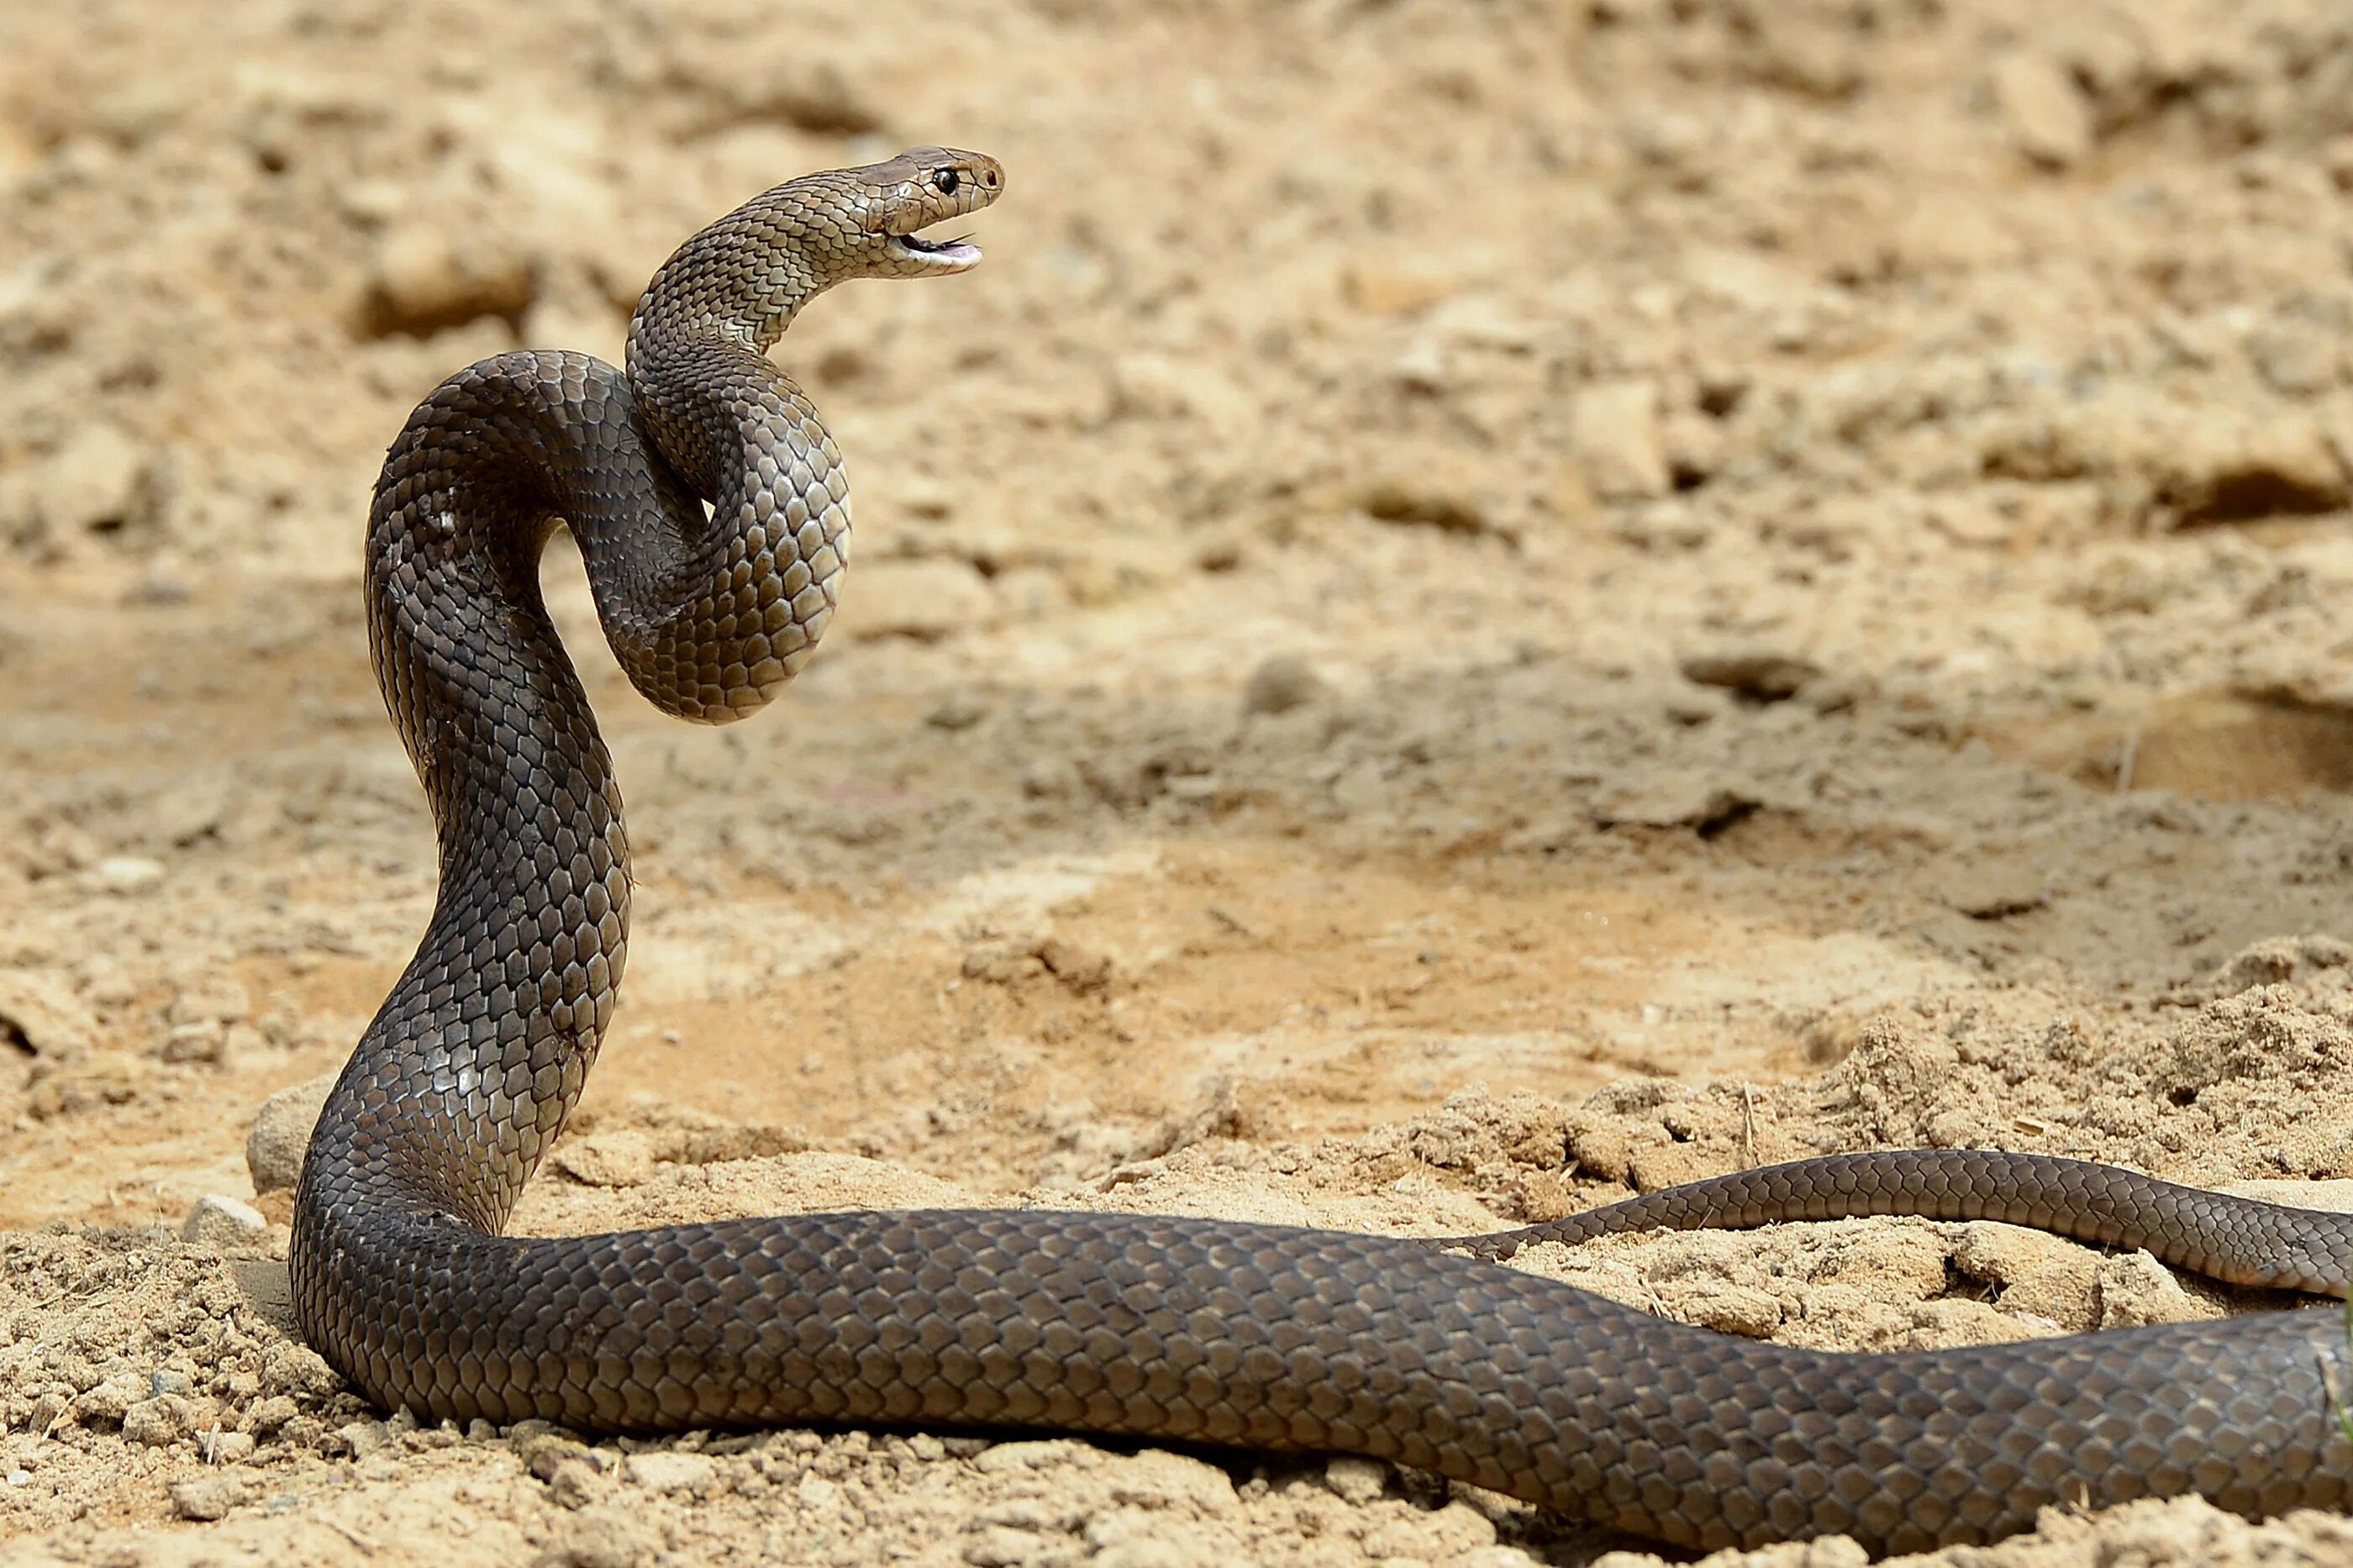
x: 710, y: 509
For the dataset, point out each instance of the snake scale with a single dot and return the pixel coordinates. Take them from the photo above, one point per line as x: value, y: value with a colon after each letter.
x: 712, y: 510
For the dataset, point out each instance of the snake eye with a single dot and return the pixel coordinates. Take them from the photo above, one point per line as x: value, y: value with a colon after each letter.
x: 945, y: 182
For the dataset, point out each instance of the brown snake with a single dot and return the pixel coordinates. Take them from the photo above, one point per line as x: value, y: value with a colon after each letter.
x: 1251, y: 1336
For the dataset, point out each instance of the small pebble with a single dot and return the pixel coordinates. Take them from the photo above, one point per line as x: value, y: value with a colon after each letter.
x: 1281, y: 684
x: 228, y: 1447
x: 955, y: 711
x: 156, y: 1423
x: 222, y: 1223
x: 1353, y: 1480
x: 364, y: 1437
x: 207, y: 1498
x: 128, y: 873
x: 664, y: 1470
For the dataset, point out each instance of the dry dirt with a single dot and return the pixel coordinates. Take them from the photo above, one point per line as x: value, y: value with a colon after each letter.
x: 1477, y: 606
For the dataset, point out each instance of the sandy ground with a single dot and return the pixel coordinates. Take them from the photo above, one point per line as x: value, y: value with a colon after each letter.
x: 1478, y: 606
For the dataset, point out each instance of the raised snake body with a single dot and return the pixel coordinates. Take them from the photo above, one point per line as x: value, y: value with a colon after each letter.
x: 1178, y: 1329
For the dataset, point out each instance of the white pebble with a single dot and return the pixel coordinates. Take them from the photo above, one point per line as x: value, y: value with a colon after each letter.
x: 128, y: 873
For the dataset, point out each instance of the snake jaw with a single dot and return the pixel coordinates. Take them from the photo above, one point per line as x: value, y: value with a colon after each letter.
x: 934, y: 256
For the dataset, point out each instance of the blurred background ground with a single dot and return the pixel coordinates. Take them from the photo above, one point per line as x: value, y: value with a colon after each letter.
x: 1472, y: 597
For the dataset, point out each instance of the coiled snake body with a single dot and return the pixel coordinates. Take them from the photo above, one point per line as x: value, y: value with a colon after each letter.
x: 1181, y: 1328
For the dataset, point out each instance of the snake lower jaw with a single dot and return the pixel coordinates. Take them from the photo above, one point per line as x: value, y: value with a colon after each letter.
x: 928, y: 258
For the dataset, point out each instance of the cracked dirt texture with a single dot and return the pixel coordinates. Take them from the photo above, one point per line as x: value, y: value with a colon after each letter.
x: 1476, y: 608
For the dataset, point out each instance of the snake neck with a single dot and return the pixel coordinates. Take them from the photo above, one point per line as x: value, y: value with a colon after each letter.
x: 513, y: 985
x: 506, y: 1001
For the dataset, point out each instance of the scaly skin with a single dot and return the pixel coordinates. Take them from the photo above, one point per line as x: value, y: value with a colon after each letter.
x: 1179, y: 1328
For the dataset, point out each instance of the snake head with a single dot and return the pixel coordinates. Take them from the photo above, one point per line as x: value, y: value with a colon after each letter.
x: 920, y: 187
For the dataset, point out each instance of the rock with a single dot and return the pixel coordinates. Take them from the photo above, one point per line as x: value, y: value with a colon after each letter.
x: 1281, y: 683
x: 1443, y: 1535
x: 924, y: 600
x: 269, y: 1413
x: 547, y: 1454
x: 39, y: 1012
x: 1442, y: 497
x: 817, y: 97
x: 574, y: 1482
x: 609, y: 1535
x: 1394, y: 291
x: 296, y: 1368
x: 224, y: 1224
x: 364, y: 1437
x: 1732, y: 1309
x: 2134, y: 1288
x: 1156, y: 1478
x: 281, y: 1132
x: 1693, y: 447
x: 1614, y: 441
x: 1029, y: 1454
x: 1420, y: 366
x: 1757, y: 674
x: 2034, y: 1275
x: 956, y: 712
x: 2042, y: 113
x: 2278, y: 961
x: 207, y: 1498
x: 667, y: 1470
x: 99, y: 482
x: 104, y: 1403
x: 196, y: 1043
x: 1081, y: 969
x: 1672, y: 797
x: 1990, y: 892
x: 2234, y: 470
x: 2298, y: 359
x: 128, y: 873
x: 157, y: 1423
x: 212, y: 1000
x: 1482, y: 321
x: 1155, y: 386
x: 228, y: 1447
x: 422, y: 279
x: 1003, y: 1546
x: 1352, y: 1479
x: 1144, y: 1551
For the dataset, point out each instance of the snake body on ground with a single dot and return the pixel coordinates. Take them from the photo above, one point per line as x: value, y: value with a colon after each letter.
x: 711, y: 508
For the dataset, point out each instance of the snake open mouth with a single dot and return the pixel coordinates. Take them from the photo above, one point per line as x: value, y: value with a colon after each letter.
x: 947, y: 255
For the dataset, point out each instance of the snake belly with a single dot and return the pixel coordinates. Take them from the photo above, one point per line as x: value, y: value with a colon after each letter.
x: 712, y: 511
